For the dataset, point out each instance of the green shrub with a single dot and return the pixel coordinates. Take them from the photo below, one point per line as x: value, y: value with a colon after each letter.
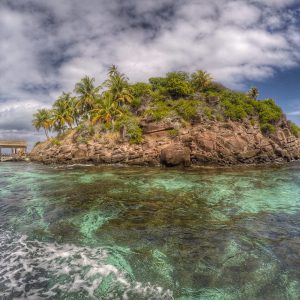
x: 55, y: 142
x: 295, y: 129
x: 267, y: 128
x: 157, y: 83
x: 81, y: 140
x: 177, y: 85
x: 234, y: 112
x: 160, y: 110
x: 85, y: 129
x: 132, y: 125
x: 173, y: 133
x: 268, y: 111
x: 140, y: 89
x: 236, y: 106
x: 187, y: 109
x: 136, y: 102
x: 216, y: 87
x: 208, y: 112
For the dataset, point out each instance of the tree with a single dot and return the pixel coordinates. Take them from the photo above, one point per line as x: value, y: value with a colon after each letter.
x: 106, y: 110
x: 253, y: 93
x: 117, y: 84
x: 43, y: 119
x: 157, y: 83
x: 177, y: 85
x: 201, y: 80
x: 87, y: 93
x: 140, y: 89
x: 63, y: 112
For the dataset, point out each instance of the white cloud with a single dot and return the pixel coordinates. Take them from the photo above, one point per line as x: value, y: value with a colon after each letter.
x: 46, y: 46
x: 294, y: 113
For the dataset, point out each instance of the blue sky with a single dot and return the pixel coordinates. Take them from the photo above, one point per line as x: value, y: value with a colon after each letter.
x: 284, y: 87
x: 47, y: 46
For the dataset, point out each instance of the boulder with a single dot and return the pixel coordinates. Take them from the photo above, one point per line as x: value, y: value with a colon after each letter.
x: 175, y: 155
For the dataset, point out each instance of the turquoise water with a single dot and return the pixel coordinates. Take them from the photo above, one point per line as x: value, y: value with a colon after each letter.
x: 138, y: 233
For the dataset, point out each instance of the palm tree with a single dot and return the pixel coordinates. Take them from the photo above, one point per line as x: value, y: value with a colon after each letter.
x: 74, y: 110
x: 43, y: 119
x: 117, y: 84
x: 201, y: 80
x: 63, y: 112
x: 253, y: 93
x: 87, y: 93
x: 106, y: 110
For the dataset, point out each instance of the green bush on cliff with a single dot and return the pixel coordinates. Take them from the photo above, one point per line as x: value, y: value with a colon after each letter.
x: 129, y: 125
x: 174, y: 85
x: 208, y: 112
x: 160, y: 110
x: 55, y: 141
x: 173, y: 133
x: 235, y: 105
x: 295, y: 129
x: 268, y: 111
x: 178, y: 85
x: 187, y: 109
x: 267, y: 128
x: 141, y: 89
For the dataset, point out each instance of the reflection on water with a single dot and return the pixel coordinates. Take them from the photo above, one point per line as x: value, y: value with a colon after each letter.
x: 136, y: 233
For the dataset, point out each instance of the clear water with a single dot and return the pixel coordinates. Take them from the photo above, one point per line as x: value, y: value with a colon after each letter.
x: 123, y: 233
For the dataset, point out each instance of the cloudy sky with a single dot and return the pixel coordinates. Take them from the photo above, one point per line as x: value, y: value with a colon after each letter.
x: 48, y: 45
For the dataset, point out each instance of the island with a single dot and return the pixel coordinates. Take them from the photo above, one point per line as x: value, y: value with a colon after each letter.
x: 178, y: 120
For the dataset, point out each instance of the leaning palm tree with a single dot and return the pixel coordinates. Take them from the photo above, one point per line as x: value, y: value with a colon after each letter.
x: 253, y: 93
x: 106, y: 110
x: 201, y: 80
x: 43, y: 119
x: 117, y: 84
x: 87, y: 93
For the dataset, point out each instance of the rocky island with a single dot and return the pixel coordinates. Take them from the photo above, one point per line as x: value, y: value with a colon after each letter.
x: 179, y: 119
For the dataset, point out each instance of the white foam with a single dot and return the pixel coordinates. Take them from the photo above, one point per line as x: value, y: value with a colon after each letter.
x: 25, y: 267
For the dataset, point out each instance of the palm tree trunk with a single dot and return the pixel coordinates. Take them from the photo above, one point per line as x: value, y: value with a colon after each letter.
x: 46, y: 133
x: 113, y: 125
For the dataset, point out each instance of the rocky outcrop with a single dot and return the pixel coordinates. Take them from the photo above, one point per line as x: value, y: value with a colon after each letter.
x: 175, y: 155
x: 216, y: 143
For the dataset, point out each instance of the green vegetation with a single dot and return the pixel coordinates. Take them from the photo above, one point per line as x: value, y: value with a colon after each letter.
x: 201, y: 80
x: 116, y: 106
x: 295, y: 129
x: 253, y: 93
x: 129, y: 126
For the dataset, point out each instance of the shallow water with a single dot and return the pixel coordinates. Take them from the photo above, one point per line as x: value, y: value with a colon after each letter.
x: 138, y: 233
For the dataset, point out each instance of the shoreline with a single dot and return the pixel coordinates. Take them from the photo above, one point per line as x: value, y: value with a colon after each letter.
x: 265, y: 165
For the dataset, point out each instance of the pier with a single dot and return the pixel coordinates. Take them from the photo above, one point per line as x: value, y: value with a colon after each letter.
x: 18, y: 149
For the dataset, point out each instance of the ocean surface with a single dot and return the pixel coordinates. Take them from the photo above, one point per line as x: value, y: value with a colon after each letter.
x: 142, y: 233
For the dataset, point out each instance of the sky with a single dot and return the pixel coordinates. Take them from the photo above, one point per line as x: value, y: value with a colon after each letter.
x: 46, y: 46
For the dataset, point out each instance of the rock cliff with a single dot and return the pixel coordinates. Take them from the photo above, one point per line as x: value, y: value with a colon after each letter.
x: 202, y: 143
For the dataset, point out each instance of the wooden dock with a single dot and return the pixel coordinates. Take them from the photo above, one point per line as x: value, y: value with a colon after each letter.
x: 18, y: 149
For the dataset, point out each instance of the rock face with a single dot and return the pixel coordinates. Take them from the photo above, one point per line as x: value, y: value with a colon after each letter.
x: 215, y: 143
x: 175, y: 155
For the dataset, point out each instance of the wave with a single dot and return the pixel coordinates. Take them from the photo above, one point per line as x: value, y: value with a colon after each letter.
x: 43, y: 270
